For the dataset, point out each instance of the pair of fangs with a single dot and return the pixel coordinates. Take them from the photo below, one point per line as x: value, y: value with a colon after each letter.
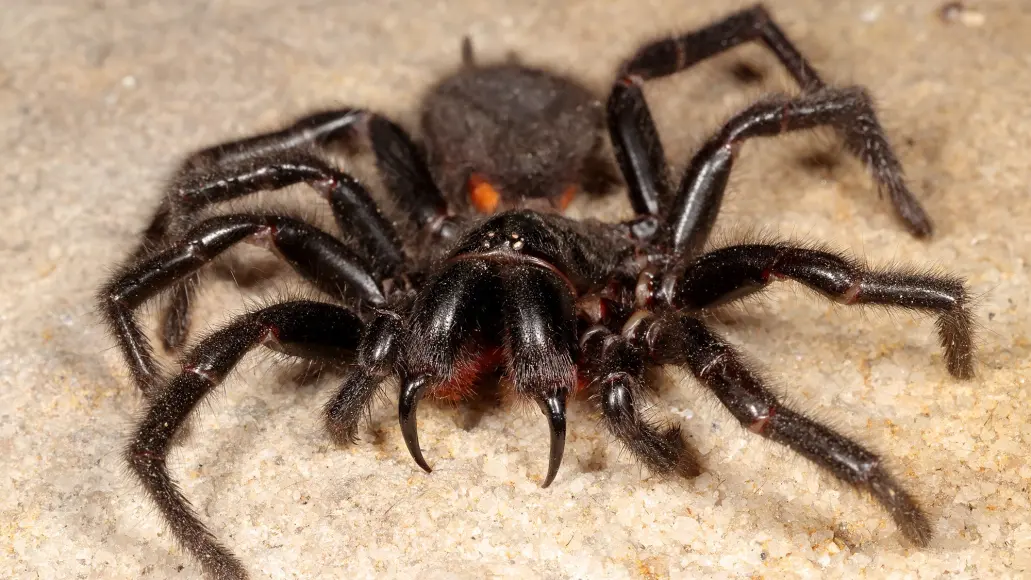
x: 553, y: 406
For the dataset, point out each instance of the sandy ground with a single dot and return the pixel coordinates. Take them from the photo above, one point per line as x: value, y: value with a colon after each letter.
x: 98, y: 100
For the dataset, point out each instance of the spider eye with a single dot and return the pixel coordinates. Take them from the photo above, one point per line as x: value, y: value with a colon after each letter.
x: 482, y: 194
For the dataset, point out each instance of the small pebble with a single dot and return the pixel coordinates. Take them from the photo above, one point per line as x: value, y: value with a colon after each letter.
x: 959, y: 12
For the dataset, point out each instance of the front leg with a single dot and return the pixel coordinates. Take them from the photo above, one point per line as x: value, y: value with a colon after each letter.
x: 279, y: 158
x: 375, y: 361
x: 616, y: 368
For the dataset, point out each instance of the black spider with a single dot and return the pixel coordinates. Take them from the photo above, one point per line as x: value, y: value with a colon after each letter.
x: 564, y: 307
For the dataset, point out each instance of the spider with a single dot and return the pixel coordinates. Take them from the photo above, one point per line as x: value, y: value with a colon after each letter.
x: 486, y: 274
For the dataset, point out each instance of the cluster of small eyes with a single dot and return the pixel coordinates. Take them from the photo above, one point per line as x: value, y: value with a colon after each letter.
x: 514, y: 241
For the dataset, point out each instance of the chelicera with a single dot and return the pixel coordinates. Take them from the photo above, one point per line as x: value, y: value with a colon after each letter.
x: 483, y: 273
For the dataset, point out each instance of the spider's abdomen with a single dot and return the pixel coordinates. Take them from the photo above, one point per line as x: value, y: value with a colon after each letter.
x: 525, y: 131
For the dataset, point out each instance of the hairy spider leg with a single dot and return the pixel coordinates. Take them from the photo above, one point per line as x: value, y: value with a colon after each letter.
x: 210, y: 175
x: 730, y: 273
x: 282, y: 158
x: 848, y: 110
x: 671, y: 55
x: 407, y: 176
x: 353, y: 207
x: 639, y: 151
x: 635, y: 138
x: 616, y: 369
x: 195, y: 189
x: 300, y: 328
x: 317, y: 256
x: 377, y: 355
x: 679, y: 339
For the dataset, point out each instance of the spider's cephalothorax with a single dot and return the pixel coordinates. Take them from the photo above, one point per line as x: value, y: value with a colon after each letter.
x: 561, y: 306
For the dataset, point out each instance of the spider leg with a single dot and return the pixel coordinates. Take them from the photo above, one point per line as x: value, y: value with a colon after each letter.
x: 207, y: 183
x: 319, y: 257
x: 639, y: 152
x: 352, y: 205
x: 682, y: 340
x: 281, y: 158
x: 407, y: 176
x: 616, y: 369
x: 635, y: 138
x: 175, y: 321
x: 375, y: 360
x: 271, y: 161
x: 848, y: 110
x: 730, y: 273
x: 301, y: 328
x: 671, y: 55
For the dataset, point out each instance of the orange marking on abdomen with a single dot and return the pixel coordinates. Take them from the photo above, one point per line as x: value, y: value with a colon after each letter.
x: 482, y: 194
x: 567, y: 196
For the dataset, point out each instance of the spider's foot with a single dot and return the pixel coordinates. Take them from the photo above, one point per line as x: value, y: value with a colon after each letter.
x: 908, y: 516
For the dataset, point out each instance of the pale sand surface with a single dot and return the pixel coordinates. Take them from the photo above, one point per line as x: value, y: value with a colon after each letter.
x: 99, y: 99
